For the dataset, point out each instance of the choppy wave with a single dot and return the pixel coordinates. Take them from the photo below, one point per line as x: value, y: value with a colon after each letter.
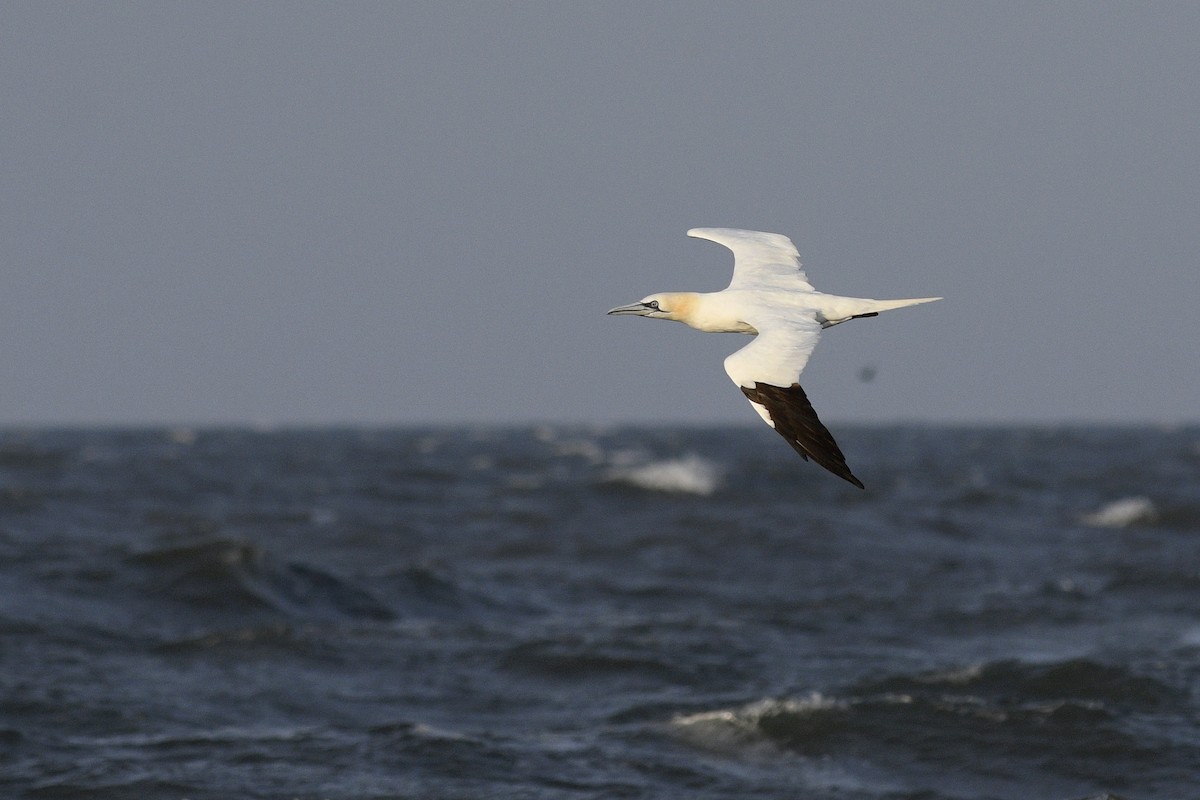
x: 751, y: 725
x: 999, y: 682
x: 279, y: 637
x: 1139, y: 511
x: 1123, y: 513
x: 1066, y: 714
x: 688, y: 475
x: 595, y: 613
x: 236, y: 576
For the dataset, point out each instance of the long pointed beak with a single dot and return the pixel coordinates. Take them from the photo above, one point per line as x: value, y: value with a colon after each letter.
x: 639, y: 309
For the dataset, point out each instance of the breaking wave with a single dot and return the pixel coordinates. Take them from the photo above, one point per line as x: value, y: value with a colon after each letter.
x: 751, y: 725
x: 1124, y: 513
x: 688, y: 475
x: 1017, y: 708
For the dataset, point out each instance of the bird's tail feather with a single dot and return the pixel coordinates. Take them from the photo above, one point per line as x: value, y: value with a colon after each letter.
x: 837, y: 310
x: 888, y: 305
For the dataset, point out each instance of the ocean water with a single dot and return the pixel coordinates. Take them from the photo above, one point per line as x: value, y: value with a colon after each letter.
x: 1008, y: 613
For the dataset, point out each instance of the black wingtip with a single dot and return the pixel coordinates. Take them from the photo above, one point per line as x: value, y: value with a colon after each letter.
x: 797, y: 422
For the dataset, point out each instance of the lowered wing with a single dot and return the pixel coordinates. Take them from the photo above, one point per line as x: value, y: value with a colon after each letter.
x: 768, y: 370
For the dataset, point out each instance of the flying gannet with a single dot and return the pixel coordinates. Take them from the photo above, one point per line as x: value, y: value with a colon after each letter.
x: 770, y: 298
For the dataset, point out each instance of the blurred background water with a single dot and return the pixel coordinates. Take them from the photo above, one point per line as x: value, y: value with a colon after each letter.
x: 561, y: 612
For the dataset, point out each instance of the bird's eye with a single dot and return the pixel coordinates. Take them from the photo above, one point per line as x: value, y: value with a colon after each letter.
x: 652, y: 304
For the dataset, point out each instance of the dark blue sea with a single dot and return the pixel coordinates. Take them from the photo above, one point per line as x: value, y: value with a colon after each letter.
x: 567, y: 612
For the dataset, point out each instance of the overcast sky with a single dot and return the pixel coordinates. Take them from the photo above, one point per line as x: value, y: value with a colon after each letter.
x: 408, y: 213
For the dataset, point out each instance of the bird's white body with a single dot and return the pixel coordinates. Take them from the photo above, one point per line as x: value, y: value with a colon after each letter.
x: 770, y: 297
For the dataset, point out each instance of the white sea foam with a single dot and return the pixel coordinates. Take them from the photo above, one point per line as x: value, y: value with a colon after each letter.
x: 1123, y: 513
x: 717, y: 730
x: 740, y: 728
x: 580, y: 448
x: 690, y: 475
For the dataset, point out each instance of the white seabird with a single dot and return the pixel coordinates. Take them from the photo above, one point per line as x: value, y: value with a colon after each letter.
x: 770, y: 298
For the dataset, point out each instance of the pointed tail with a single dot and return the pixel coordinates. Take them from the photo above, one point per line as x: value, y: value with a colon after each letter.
x: 888, y: 305
x: 840, y: 309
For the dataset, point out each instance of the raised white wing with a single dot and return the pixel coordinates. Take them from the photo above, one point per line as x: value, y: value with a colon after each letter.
x: 759, y: 259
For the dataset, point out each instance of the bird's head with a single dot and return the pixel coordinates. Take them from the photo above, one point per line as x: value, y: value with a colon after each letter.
x: 666, y: 305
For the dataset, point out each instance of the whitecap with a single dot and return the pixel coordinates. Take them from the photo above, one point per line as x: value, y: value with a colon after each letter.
x: 727, y: 730
x: 717, y: 730
x: 580, y: 448
x: 689, y: 475
x: 1123, y: 513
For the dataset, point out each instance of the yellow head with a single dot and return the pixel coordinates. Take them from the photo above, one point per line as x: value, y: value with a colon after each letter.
x: 677, y: 306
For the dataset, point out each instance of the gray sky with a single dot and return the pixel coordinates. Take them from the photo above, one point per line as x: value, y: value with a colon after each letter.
x: 407, y: 213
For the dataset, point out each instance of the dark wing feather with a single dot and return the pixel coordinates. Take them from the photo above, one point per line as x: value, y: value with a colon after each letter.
x: 796, y: 421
